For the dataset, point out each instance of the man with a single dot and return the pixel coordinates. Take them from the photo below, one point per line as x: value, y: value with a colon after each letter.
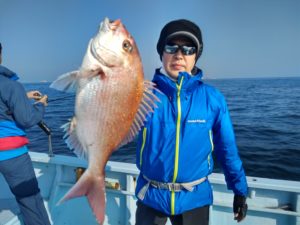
x: 174, y: 153
x: 17, y: 114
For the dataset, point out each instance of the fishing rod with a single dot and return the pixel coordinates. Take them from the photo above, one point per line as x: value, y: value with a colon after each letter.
x: 60, y: 98
x: 47, y: 130
x: 44, y: 126
x: 39, y: 96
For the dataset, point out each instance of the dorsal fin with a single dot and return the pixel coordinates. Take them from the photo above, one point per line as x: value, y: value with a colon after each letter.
x: 148, y: 102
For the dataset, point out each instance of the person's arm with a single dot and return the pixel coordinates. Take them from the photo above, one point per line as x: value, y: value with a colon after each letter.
x: 25, y: 114
x: 227, y: 154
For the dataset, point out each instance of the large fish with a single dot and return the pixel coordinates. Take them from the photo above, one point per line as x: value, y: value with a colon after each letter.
x: 112, y: 101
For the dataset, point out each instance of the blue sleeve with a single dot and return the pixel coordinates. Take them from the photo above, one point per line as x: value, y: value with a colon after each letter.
x: 24, y: 112
x: 227, y: 153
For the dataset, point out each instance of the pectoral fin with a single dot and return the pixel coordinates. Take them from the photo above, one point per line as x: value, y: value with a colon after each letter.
x: 67, y: 82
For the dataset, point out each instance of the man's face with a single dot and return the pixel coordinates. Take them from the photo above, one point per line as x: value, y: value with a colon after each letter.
x: 178, y: 62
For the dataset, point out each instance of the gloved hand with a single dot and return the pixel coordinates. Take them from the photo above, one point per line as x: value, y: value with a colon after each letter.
x: 240, y: 207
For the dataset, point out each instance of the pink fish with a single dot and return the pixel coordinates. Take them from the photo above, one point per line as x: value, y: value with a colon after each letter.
x: 112, y: 101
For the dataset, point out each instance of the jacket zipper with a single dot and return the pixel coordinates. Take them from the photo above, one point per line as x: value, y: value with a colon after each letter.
x: 177, y: 144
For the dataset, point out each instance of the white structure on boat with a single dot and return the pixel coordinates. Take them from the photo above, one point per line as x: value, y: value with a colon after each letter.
x: 271, y: 202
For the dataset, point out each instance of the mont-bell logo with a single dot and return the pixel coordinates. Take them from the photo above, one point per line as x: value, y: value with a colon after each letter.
x: 196, y: 121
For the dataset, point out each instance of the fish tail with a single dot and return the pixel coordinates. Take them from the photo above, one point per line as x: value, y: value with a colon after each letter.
x: 93, y: 187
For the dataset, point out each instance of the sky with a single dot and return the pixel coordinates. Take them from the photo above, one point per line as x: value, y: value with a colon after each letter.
x: 43, y: 39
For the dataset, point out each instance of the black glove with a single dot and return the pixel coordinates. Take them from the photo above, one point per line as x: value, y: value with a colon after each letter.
x: 240, y: 207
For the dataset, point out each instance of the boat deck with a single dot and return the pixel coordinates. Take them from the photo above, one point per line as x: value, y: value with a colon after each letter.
x: 8, y: 210
x: 271, y: 202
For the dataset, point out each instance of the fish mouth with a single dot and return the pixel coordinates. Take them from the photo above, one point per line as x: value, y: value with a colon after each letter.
x: 108, y: 24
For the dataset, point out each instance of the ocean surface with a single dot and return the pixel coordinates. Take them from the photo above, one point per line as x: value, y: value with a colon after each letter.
x: 265, y: 113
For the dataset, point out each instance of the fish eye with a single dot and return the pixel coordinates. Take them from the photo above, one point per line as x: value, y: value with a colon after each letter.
x: 127, y: 46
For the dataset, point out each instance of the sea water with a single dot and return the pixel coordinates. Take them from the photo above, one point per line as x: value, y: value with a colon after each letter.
x: 265, y: 113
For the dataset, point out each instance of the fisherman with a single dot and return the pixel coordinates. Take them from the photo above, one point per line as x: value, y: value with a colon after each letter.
x: 175, y: 146
x: 16, y: 114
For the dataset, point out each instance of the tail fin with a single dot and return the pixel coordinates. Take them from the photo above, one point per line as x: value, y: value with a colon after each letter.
x: 94, y: 188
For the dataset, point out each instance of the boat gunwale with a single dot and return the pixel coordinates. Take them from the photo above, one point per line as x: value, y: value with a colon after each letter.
x: 130, y: 168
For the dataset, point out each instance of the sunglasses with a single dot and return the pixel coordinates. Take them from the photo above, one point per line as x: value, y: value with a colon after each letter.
x: 186, y: 50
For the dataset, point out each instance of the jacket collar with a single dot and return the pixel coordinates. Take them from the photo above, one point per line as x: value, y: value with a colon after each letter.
x: 8, y: 73
x: 169, y: 87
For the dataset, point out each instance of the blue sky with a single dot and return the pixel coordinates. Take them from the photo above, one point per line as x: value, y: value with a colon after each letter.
x: 242, y: 38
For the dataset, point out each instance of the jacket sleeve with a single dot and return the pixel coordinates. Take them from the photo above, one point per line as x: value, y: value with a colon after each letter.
x: 24, y: 112
x: 227, y: 153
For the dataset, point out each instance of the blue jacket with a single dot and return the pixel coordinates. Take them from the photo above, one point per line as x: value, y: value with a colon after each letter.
x: 16, y: 111
x: 177, y: 142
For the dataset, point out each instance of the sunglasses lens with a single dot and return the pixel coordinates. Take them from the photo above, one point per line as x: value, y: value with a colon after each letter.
x: 171, y: 49
x: 186, y: 50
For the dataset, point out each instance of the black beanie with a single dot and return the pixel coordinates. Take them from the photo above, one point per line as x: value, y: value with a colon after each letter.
x: 180, y: 28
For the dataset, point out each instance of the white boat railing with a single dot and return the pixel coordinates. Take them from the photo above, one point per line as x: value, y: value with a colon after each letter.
x: 270, y: 201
